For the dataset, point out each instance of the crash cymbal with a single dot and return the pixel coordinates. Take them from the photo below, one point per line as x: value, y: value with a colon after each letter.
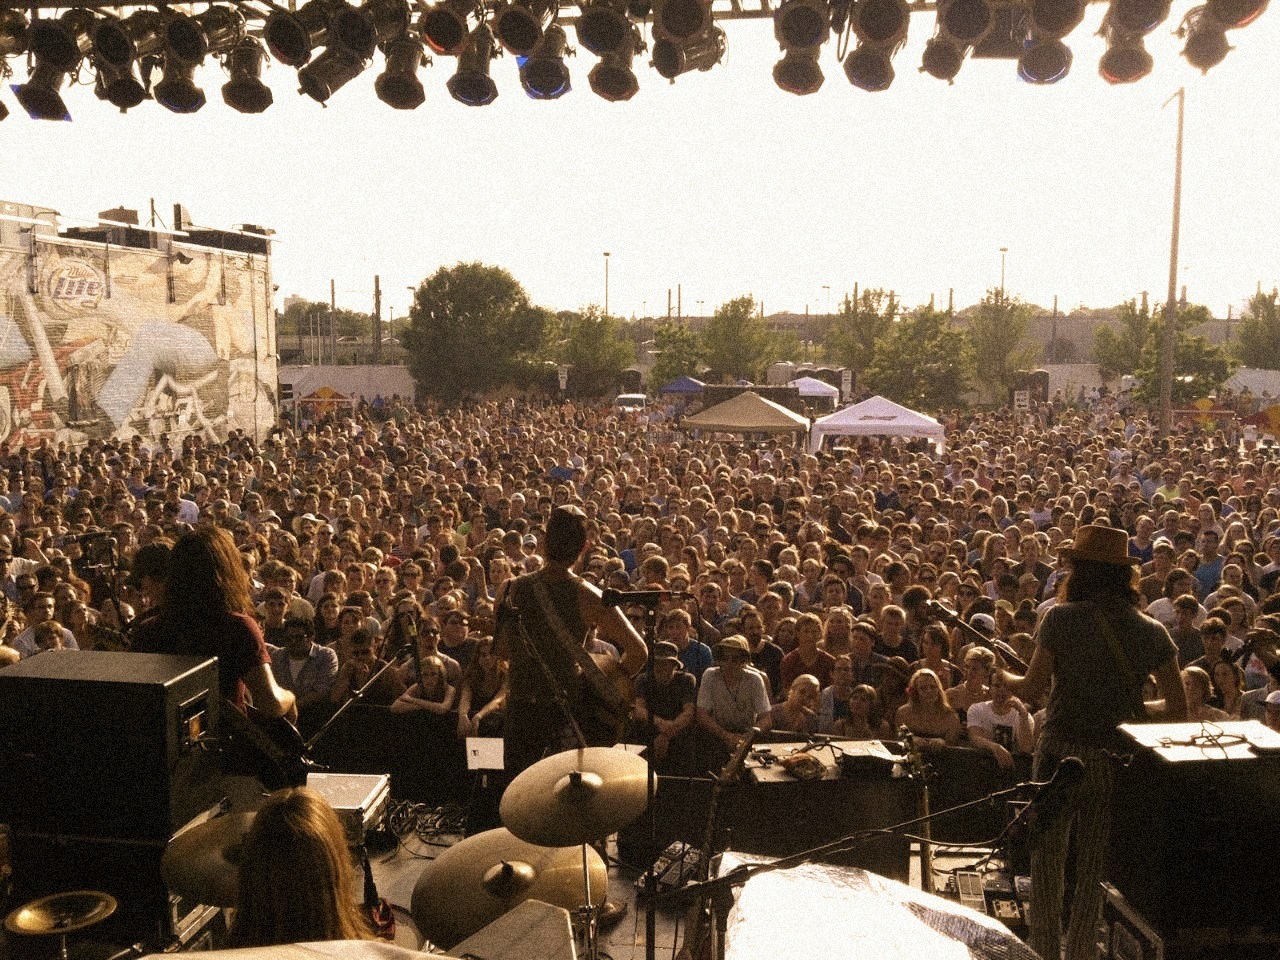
x: 576, y: 796
x: 61, y: 912
x: 479, y: 879
x: 202, y: 863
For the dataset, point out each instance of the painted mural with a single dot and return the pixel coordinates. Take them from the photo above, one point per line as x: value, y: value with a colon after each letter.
x: 104, y: 341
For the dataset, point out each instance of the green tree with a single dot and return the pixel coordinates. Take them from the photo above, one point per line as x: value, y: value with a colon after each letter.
x: 596, y: 348
x: 471, y: 329
x: 853, y: 333
x: 680, y: 353
x: 998, y: 329
x: 922, y: 361
x: 1199, y: 367
x: 1118, y: 352
x: 1257, y: 340
x: 737, y: 342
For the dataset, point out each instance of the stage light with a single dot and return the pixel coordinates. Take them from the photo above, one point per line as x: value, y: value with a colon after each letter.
x: 1126, y: 59
x: 521, y: 24
x: 681, y: 21
x: 943, y: 58
x: 177, y: 90
x: 798, y: 71
x: 603, y: 27
x: 215, y: 31
x: 1136, y: 17
x: 612, y: 78
x: 118, y: 45
x: 543, y: 73
x: 672, y: 58
x: 1055, y: 19
x: 58, y: 47
x: 966, y: 22
x: 329, y: 73
x: 801, y: 23
x: 245, y: 91
x: 471, y: 83
x: 359, y: 30
x: 447, y: 26
x: 398, y: 85
x: 4, y: 111
x: 292, y: 36
x: 1233, y: 14
x: 1206, y: 45
x: 881, y: 28
x: 13, y: 33
x: 1044, y: 61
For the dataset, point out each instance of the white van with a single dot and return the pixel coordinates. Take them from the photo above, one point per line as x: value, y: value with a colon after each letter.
x: 631, y: 402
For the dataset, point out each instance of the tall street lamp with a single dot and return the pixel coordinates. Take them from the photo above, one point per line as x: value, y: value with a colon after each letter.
x: 827, y: 288
x: 606, y: 283
x: 1003, y: 252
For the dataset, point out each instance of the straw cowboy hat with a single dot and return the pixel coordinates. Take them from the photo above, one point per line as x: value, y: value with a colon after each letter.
x: 1100, y: 545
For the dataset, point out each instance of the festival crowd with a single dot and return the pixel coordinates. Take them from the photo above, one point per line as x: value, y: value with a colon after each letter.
x: 854, y: 592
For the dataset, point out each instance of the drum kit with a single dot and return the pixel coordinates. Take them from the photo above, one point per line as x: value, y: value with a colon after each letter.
x: 571, y: 799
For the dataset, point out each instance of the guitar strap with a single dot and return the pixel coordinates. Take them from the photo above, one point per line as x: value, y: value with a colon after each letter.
x: 595, y: 677
x: 1124, y: 664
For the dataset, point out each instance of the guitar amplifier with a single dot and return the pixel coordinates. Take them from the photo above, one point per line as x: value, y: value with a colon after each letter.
x: 360, y: 800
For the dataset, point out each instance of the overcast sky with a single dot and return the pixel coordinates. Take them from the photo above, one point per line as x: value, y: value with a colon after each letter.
x: 720, y: 183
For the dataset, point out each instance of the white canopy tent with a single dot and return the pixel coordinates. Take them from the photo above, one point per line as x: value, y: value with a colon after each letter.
x: 813, y: 387
x: 876, y: 417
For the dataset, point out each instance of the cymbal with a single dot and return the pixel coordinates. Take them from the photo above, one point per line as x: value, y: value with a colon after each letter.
x: 479, y: 879
x: 576, y: 796
x: 203, y: 862
x: 61, y: 912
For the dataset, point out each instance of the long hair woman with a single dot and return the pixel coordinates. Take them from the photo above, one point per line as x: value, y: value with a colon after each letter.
x: 206, y: 610
x: 1094, y: 652
x: 297, y: 882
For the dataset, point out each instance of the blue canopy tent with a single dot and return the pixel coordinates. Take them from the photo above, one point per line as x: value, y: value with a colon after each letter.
x: 683, y: 385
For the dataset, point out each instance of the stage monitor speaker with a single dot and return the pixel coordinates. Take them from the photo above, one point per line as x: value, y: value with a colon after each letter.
x: 106, y: 745
x: 1194, y: 830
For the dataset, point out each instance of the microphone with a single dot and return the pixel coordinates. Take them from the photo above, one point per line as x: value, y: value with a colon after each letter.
x: 1050, y: 801
x: 618, y: 598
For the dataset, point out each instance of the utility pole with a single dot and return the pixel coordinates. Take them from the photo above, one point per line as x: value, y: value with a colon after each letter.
x: 333, y: 321
x: 377, y: 319
x: 1171, y: 305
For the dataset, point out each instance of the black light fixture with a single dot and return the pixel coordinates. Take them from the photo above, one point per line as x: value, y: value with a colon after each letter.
x: 543, y: 73
x: 1055, y: 19
x: 671, y: 58
x: 612, y: 78
x: 188, y: 40
x: 1234, y: 14
x: 1206, y: 39
x: 245, y: 91
x: 1136, y: 16
x: 447, y: 26
x: 1126, y: 59
x: 398, y: 85
x: 943, y: 58
x: 801, y: 27
x: 881, y: 29
x: 603, y: 27
x: 177, y: 90
x: 292, y: 36
x: 1044, y: 61
x: 519, y: 25
x: 120, y: 47
x: 13, y: 33
x: 58, y: 46
x: 352, y: 37
x: 967, y: 22
x: 681, y: 21
x: 471, y: 83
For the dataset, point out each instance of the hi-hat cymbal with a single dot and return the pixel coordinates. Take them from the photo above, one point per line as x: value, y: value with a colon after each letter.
x: 61, y: 912
x: 576, y: 796
x: 203, y: 863
x: 480, y: 878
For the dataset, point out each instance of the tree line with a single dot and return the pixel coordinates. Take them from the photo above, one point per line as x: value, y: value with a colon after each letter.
x: 473, y: 330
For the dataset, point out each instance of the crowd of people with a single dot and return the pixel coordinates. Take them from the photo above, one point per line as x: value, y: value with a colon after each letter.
x: 858, y: 593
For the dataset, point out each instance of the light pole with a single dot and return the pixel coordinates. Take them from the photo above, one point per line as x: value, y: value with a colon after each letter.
x: 606, y: 283
x: 700, y: 303
x: 827, y: 288
x: 1003, y: 252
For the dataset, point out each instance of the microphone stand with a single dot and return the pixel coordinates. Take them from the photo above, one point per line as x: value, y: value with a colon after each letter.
x: 402, y: 654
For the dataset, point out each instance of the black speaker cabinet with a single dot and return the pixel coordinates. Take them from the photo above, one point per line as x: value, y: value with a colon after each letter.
x: 103, y: 745
x: 1195, y: 826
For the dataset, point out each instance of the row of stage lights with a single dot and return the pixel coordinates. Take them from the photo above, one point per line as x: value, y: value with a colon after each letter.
x: 124, y: 53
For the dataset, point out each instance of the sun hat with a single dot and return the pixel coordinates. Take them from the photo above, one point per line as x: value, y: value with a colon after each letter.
x: 1100, y: 544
